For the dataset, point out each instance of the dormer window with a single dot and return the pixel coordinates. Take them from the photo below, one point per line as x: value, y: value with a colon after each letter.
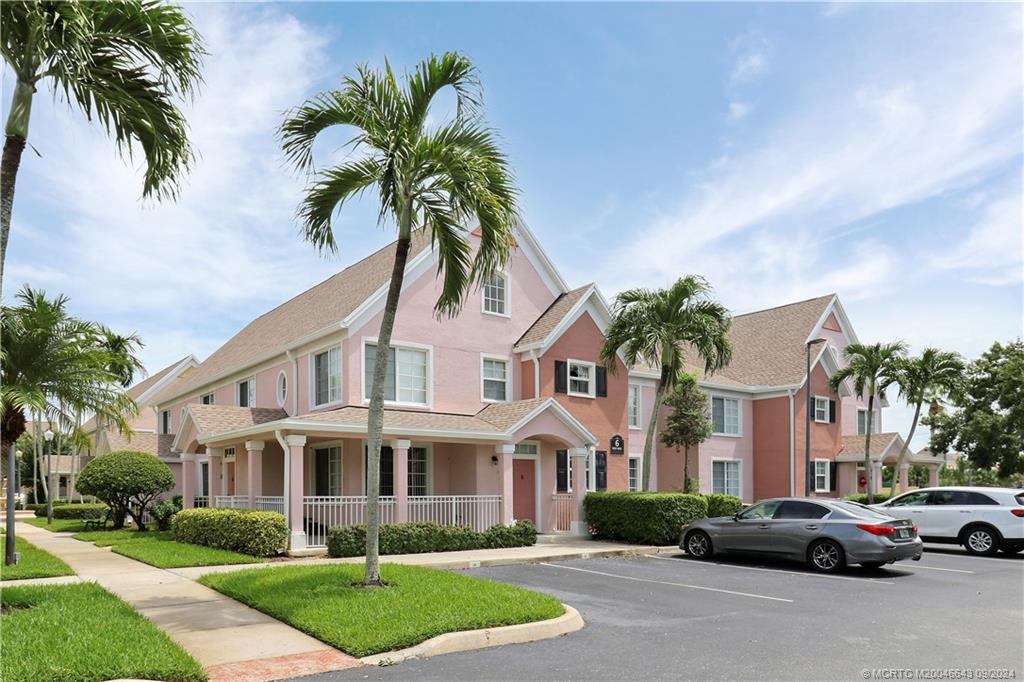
x: 495, y: 295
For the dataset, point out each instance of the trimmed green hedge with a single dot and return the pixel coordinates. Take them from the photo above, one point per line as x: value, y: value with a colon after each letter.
x: 39, y: 508
x: 723, y: 505
x: 417, y: 538
x: 645, y: 518
x: 862, y: 498
x: 92, y: 510
x: 258, y: 533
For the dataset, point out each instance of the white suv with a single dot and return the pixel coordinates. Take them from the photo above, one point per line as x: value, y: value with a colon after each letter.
x: 983, y: 520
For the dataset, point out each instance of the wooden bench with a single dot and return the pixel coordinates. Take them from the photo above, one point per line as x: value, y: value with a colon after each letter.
x: 97, y: 524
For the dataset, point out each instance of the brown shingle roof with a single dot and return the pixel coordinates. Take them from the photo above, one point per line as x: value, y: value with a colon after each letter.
x: 398, y: 419
x: 156, y: 444
x: 854, y: 445
x: 138, y: 389
x: 505, y: 415
x: 220, y: 418
x: 311, y: 311
x: 550, y: 318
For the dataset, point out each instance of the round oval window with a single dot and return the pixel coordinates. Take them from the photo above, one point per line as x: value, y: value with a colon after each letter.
x: 282, y: 389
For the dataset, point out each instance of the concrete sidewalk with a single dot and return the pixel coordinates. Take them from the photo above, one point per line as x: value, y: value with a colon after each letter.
x: 561, y: 550
x: 230, y: 640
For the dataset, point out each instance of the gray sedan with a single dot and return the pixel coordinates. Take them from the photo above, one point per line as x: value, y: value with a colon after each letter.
x: 827, y: 534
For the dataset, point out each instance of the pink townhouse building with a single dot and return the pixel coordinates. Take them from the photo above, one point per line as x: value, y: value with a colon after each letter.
x: 502, y: 412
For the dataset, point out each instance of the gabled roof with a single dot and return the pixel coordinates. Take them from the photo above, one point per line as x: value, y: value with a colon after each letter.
x: 312, y: 311
x: 882, y: 444
x: 549, y: 320
x: 138, y: 391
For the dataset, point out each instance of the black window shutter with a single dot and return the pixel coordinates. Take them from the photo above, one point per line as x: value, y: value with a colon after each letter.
x: 601, y: 470
x: 562, y: 471
x: 832, y: 411
x: 602, y: 382
x: 561, y: 376
x: 832, y: 475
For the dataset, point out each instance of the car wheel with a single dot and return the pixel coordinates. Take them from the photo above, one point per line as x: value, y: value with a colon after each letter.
x: 872, y: 564
x: 981, y: 540
x: 826, y: 556
x: 698, y: 545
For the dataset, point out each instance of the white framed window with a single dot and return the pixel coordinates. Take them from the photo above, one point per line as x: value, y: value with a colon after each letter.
x: 725, y: 477
x: 635, y: 471
x: 407, y: 380
x: 862, y: 422
x: 527, y: 448
x: 588, y: 472
x: 326, y: 380
x: 282, y: 388
x: 725, y: 416
x: 821, y: 475
x: 327, y: 471
x: 633, y: 408
x: 207, y: 399
x: 419, y: 472
x: 582, y: 378
x: 821, y: 409
x: 245, y: 392
x: 495, y: 295
x: 495, y: 379
x: 165, y: 422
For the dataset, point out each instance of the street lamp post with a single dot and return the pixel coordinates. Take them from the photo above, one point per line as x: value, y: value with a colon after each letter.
x: 808, y: 474
x: 48, y: 435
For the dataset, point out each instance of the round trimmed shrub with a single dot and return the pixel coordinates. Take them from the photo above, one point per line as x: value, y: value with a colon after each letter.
x: 257, y: 533
x: 89, y: 510
x: 644, y: 518
x: 723, y: 505
x: 127, y: 481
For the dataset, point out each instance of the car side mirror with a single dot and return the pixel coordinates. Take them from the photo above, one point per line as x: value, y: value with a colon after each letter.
x: 736, y: 516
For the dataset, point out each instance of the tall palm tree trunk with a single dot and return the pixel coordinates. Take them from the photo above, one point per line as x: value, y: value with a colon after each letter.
x: 652, y: 428
x: 867, y: 447
x: 16, y: 133
x: 375, y: 419
x: 896, y: 486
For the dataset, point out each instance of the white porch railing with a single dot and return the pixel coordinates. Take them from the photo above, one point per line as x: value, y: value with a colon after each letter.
x: 231, y: 501
x: 270, y: 503
x: 201, y: 501
x: 478, y: 512
x: 564, y: 508
x: 323, y: 513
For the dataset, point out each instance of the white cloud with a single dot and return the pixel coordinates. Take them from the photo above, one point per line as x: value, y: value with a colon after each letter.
x: 991, y: 253
x: 752, y: 50
x: 738, y: 110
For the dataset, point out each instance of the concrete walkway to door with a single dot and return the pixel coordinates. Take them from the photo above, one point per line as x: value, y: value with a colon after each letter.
x: 230, y: 640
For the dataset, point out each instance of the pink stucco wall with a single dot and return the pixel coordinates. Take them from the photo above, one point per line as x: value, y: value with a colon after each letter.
x: 732, y: 448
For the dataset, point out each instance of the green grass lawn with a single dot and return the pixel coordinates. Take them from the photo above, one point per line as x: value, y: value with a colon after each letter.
x: 419, y: 603
x: 158, y: 548
x: 58, y: 525
x: 83, y: 633
x: 35, y: 562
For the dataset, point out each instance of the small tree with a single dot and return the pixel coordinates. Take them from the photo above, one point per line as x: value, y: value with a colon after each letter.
x: 688, y: 422
x: 127, y: 481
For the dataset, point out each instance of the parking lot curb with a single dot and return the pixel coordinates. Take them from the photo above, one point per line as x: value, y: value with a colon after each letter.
x: 469, y: 640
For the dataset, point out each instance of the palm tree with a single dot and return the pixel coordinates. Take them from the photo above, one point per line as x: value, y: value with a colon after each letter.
x: 930, y: 377
x: 124, y: 63
x: 431, y: 178
x: 658, y: 328
x: 873, y: 369
x: 54, y: 366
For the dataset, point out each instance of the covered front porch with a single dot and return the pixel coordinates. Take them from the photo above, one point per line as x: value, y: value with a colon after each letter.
x: 475, y: 471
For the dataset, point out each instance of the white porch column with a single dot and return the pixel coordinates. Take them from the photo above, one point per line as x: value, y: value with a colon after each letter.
x: 505, y: 453
x: 293, y: 492
x: 579, y: 487
x: 400, y: 476
x: 254, y: 470
x: 933, y: 475
x: 876, y: 472
x: 215, y: 473
x: 188, y: 480
x: 904, y: 477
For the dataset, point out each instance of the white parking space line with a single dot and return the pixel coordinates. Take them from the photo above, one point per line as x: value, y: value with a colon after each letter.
x: 930, y: 554
x: 936, y: 568
x: 671, y: 584
x: 780, y: 571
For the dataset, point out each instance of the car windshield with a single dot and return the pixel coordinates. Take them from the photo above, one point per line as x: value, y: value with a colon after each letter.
x: 860, y: 510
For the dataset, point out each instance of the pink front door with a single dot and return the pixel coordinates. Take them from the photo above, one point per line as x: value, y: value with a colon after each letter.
x: 524, y: 489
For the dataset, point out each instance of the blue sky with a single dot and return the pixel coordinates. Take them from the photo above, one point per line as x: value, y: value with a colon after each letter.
x: 783, y: 151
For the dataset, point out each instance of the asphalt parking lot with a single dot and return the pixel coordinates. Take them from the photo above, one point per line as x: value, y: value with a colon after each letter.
x: 670, y: 617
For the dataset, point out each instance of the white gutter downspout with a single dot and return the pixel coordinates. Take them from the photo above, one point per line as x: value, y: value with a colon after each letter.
x: 279, y: 435
x: 792, y: 446
x: 536, y: 373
